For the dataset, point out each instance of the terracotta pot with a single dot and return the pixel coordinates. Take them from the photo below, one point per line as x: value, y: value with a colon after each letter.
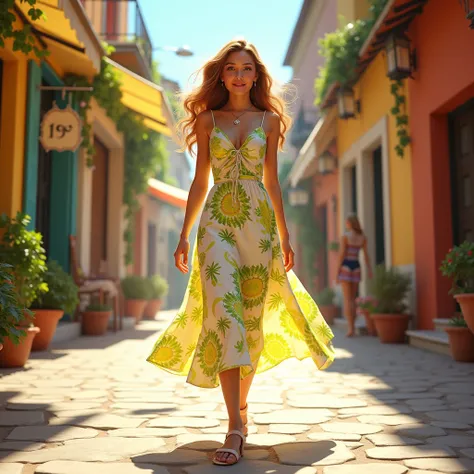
x: 329, y: 313
x: 1, y: 347
x: 152, y: 307
x: 461, y: 343
x: 391, y: 328
x: 47, y: 321
x: 466, y: 301
x: 134, y: 309
x: 369, y: 322
x: 94, y: 323
x: 16, y: 355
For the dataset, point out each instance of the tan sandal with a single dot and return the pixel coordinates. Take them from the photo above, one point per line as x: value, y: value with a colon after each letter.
x: 243, y: 413
x: 237, y: 454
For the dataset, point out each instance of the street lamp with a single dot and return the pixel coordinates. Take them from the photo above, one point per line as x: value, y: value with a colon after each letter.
x: 327, y: 163
x: 469, y: 9
x: 298, y: 197
x: 347, y: 104
x: 400, y: 60
x: 183, y: 51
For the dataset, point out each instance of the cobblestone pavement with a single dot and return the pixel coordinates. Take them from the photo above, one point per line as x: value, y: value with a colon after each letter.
x: 95, y: 406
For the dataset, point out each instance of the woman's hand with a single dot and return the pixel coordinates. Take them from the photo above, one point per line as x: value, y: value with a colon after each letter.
x: 181, y: 255
x: 288, y: 254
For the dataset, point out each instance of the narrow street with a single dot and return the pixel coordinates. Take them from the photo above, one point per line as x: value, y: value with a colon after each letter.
x: 379, y: 409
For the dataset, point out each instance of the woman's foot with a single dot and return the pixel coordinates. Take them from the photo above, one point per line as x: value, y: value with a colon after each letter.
x: 233, y: 441
x: 350, y: 333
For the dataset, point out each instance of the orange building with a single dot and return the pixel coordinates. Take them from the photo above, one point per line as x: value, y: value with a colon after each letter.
x: 441, y: 116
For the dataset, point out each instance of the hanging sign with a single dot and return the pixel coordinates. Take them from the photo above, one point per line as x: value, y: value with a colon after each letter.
x: 61, y: 129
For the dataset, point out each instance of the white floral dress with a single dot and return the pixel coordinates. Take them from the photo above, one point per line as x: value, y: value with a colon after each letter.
x: 240, y: 309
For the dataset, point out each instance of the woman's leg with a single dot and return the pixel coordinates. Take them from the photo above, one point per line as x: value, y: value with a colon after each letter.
x: 355, y: 289
x: 348, y: 304
x: 230, y: 382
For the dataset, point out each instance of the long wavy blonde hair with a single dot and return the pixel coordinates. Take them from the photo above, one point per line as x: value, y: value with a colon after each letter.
x: 211, y: 95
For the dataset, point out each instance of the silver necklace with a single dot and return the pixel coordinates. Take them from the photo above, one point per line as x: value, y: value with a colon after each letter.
x: 237, y: 117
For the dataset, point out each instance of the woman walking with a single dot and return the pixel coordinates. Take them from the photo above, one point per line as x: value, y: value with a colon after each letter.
x: 349, y: 271
x: 244, y: 310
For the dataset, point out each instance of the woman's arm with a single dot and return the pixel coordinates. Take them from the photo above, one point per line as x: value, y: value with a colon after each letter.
x: 272, y: 185
x: 197, y: 191
x: 342, y: 255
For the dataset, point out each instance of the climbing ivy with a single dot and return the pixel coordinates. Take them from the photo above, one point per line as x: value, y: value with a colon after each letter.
x: 145, y: 151
x: 401, y: 117
x: 341, y: 49
x: 23, y: 39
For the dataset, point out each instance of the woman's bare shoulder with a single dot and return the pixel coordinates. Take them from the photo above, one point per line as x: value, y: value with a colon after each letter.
x: 204, y: 121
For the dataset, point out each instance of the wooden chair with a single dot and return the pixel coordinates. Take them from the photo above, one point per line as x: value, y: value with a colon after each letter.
x: 99, y: 285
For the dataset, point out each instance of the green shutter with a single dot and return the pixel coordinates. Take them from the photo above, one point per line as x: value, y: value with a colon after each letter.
x: 31, y: 142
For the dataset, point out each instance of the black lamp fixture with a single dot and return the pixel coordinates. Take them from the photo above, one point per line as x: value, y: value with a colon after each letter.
x: 327, y: 163
x: 401, y: 61
x: 347, y: 104
x: 469, y: 9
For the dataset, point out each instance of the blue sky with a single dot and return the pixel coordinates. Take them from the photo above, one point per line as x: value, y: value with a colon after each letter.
x: 206, y: 25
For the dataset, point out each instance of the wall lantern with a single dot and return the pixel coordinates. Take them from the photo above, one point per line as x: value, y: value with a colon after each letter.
x: 298, y: 196
x: 327, y: 163
x: 469, y: 9
x: 400, y: 60
x: 347, y: 105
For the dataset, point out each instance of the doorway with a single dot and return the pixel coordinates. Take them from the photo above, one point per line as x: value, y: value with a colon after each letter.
x: 462, y: 173
x: 353, y: 176
x: 324, y: 247
x: 99, y: 214
x: 378, y: 207
x: 43, y: 193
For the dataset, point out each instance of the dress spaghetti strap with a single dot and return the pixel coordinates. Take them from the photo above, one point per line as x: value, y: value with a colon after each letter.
x: 213, y: 120
x: 264, y: 112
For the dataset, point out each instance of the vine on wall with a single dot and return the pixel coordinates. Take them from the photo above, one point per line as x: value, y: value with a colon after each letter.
x: 145, y: 151
x: 23, y: 39
x: 401, y: 117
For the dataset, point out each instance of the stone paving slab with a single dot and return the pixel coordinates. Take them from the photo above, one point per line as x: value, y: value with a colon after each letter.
x: 117, y: 413
x: 77, y: 467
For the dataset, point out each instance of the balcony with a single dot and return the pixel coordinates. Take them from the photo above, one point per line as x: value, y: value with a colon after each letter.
x: 120, y: 23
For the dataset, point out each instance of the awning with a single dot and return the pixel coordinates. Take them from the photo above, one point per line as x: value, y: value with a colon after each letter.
x: 67, y: 34
x: 165, y: 192
x: 305, y: 163
x: 143, y: 97
x: 396, y: 16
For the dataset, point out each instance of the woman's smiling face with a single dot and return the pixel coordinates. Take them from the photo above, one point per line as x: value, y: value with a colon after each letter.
x: 239, y: 72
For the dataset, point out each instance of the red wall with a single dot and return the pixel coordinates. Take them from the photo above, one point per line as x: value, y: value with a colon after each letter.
x: 444, y: 80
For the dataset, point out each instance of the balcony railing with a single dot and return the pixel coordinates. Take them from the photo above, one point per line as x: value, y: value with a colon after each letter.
x: 120, y: 22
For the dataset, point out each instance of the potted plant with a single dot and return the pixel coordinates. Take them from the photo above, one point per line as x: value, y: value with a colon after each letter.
x: 11, y: 311
x: 461, y: 340
x: 325, y: 301
x: 22, y: 249
x: 136, y: 291
x: 48, y: 308
x: 459, y: 266
x: 364, y: 305
x: 159, y: 288
x: 390, y: 288
x: 95, y: 319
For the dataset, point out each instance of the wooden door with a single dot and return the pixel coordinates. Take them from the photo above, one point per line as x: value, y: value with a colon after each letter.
x: 463, y: 174
x: 99, y: 213
x: 378, y: 207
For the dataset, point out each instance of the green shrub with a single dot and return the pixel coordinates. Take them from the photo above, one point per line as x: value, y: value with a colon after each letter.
x: 389, y: 289
x: 11, y: 311
x: 326, y: 297
x: 23, y: 250
x: 458, y: 322
x: 97, y: 307
x: 159, y: 287
x: 62, y: 291
x: 135, y: 287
